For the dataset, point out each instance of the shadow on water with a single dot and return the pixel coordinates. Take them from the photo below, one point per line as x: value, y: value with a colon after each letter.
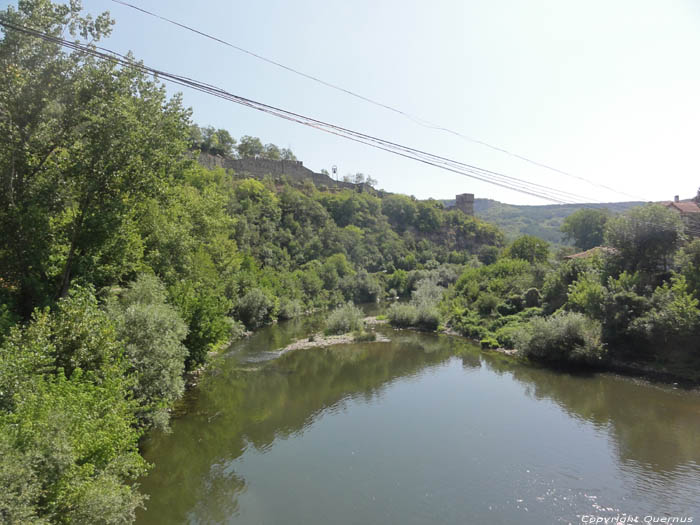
x: 249, y: 401
x: 655, y: 426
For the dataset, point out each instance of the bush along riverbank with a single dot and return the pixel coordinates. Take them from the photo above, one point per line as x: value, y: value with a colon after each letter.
x: 632, y: 307
x: 125, y: 263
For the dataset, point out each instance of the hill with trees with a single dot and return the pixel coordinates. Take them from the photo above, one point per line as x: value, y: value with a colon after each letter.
x: 124, y: 263
x: 543, y: 221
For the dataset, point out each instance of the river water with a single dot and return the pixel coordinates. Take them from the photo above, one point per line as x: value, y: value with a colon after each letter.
x: 422, y: 429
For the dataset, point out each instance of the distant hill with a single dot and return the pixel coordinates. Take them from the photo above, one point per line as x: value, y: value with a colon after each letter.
x: 542, y: 221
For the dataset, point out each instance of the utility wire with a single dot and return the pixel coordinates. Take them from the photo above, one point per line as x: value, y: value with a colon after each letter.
x: 491, y: 177
x: 417, y: 120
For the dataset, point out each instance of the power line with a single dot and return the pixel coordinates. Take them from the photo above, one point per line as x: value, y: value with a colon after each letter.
x: 417, y: 120
x: 491, y: 177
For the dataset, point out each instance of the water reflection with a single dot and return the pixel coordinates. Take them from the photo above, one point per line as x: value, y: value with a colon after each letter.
x: 653, y: 427
x: 249, y: 404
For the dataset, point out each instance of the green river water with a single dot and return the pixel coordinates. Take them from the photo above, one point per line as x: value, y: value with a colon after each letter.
x: 422, y: 429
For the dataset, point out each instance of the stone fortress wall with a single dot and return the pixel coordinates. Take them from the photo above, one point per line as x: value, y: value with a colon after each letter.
x: 296, y: 171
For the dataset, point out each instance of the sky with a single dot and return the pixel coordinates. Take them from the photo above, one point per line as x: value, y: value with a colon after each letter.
x: 608, y: 91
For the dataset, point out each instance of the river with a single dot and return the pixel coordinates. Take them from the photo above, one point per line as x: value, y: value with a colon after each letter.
x: 422, y: 429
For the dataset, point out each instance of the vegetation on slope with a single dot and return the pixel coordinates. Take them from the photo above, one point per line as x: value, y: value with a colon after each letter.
x: 124, y: 263
x: 544, y: 222
x: 637, y: 301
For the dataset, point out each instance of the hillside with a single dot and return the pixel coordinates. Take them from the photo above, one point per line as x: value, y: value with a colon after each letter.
x: 542, y: 221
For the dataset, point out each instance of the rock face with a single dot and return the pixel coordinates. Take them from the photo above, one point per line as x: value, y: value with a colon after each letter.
x: 259, y: 168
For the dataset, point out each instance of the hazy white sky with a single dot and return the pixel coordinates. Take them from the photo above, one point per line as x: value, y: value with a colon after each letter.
x: 607, y: 90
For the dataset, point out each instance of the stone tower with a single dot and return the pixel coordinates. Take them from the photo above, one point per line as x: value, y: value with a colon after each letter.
x: 465, y: 203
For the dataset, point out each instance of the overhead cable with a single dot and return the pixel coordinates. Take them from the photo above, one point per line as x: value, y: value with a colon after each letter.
x: 417, y: 120
x: 488, y: 176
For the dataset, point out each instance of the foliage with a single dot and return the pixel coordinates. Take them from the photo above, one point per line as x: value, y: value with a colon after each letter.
x: 556, y: 285
x: 586, y: 227
x: 587, y: 295
x: 153, y: 334
x: 674, y: 317
x: 67, y: 419
x: 689, y: 263
x: 364, y: 337
x: 488, y: 254
x: 205, y: 313
x: 210, y: 140
x: 645, y: 238
x: 290, y: 308
x: 543, y: 221
x: 250, y: 147
x: 402, y: 315
x: 528, y: 248
x: 422, y: 312
x: 344, y: 319
x: 255, y: 308
x: 565, y: 338
x: 78, y: 165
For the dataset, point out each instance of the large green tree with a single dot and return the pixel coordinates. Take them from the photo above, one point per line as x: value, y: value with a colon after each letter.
x: 586, y: 227
x: 646, y: 238
x: 529, y: 248
x: 81, y: 141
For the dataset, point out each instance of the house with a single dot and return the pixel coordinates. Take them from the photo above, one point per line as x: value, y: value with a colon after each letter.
x: 690, y: 215
x: 598, y: 250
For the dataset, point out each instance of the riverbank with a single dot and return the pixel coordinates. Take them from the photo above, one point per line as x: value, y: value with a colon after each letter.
x: 676, y: 375
x: 430, y: 409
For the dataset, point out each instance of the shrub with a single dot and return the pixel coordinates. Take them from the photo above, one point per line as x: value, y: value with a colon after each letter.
x: 528, y: 248
x: 362, y: 287
x: 290, y: 309
x: 486, y: 303
x: 565, y: 337
x: 7, y: 320
x: 489, y: 342
x: 402, y: 315
x: 428, y: 317
x: 255, y: 308
x: 344, y: 319
x: 507, y: 336
x: 468, y: 324
x: 427, y: 292
x: 362, y: 337
x: 587, y: 295
x: 68, y: 438
x: 532, y: 298
x: 488, y: 254
x: 205, y: 313
x: 674, y: 317
x: 152, y: 332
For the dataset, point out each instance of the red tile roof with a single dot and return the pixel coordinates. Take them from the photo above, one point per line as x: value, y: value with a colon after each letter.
x: 591, y: 252
x: 683, y: 207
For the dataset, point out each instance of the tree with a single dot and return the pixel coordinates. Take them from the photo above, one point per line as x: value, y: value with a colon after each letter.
x: 586, y: 227
x: 152, y: 332
x: 217, y: 141
x: 529, y: 248
x: 250, y: 147
x: 68, y: 440
x: 287, y: 154
x: 81, y: 141
x: 646, y: 237
x: 400, y: 209
x: 272, y: 152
